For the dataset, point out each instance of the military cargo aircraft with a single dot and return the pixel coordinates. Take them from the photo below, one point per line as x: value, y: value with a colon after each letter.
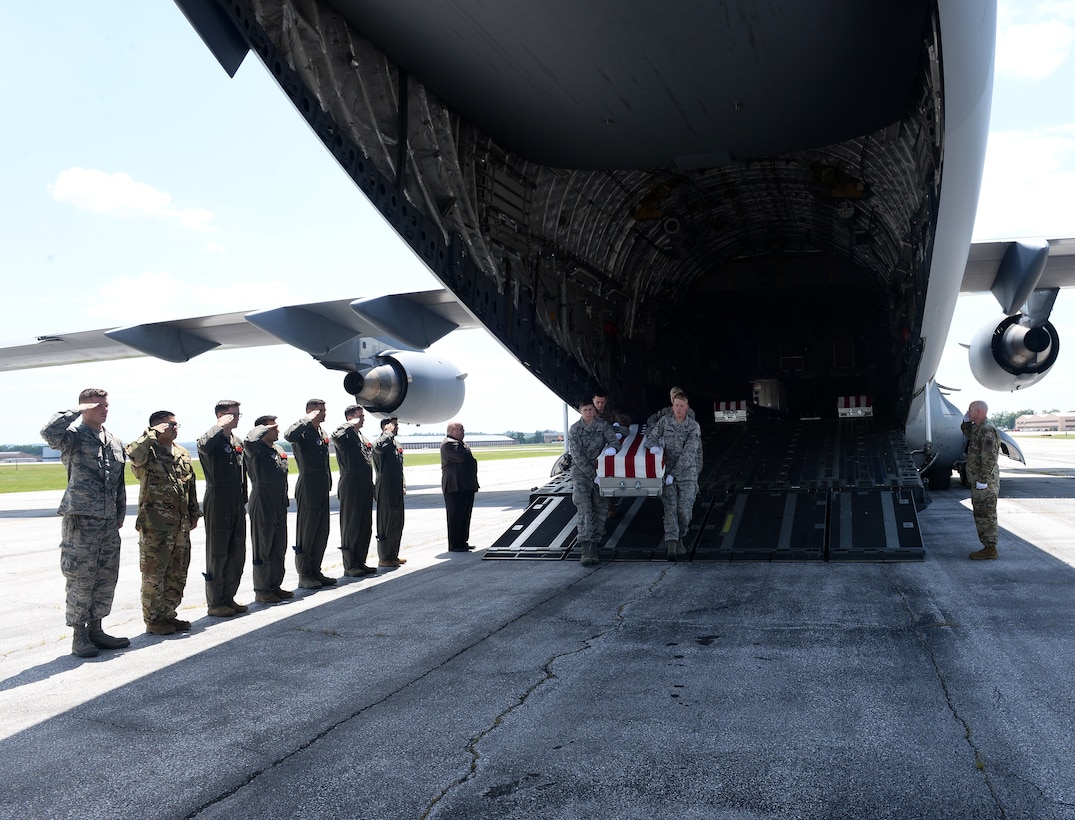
x: 770, y: 206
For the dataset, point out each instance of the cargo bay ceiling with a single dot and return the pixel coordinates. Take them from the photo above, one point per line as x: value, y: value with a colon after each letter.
x: 635, y: 194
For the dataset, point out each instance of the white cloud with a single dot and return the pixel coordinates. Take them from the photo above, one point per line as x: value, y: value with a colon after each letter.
x: 120, y: 195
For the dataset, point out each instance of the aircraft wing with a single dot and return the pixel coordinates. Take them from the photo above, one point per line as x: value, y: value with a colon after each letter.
x: 988, y: 261
x: 411, y: 321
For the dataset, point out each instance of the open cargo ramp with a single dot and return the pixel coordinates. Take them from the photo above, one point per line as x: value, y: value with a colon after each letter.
x: 836, y: 490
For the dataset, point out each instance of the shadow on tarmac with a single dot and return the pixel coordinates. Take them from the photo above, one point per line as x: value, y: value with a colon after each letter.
x: 471, y: 689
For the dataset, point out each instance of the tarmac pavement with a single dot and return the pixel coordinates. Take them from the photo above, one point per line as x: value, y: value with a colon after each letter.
x: 457, y: 688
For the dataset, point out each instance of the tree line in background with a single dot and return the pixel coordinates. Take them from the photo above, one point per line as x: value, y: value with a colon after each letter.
x: 1007, y: 420
x: 537, y: 437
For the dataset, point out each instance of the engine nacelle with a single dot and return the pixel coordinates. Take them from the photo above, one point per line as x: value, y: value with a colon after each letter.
x: 414, y: 387
x: 1006, y: 355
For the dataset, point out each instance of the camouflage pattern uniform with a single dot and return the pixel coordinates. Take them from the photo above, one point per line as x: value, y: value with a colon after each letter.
x: 167, y: 511
x: 982, y: 468
x: 662, y: 413
x: 619, y: 422
x: 93, y: 508
x: 224, y: 505
x: 310, y: 446
x: 266, y: 464
x: 390, y: 489
x: 682, y: 442
x: 585, y: 443
x: 354, y: 454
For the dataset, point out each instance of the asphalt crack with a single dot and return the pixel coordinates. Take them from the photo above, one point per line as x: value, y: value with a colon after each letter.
x: 918, y: 626
x: 252, y: 776
x: 546, y: 677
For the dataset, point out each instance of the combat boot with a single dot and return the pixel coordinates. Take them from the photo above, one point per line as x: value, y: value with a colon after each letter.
x: 160, y: 628
x: 101, y: 639
x: 670, y: 550
x: 589, y: 554
x: 82, y: 645
x: 681, y: 550
x: 983, y: 554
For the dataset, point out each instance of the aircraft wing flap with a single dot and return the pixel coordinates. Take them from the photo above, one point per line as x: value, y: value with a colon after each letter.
x: 110, y: 344
x: 416, y: 323
x: 984, y: 259
x: 316, y: 327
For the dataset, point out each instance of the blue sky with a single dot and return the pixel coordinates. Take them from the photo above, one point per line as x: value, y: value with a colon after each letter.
x: 141, y: 183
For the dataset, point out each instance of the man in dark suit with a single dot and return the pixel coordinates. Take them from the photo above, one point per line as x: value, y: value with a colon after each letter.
x: 459, y: 483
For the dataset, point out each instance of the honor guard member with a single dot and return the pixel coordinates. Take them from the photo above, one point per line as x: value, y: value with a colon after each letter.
x: 354, y: 454
x: 266, y: 464
x: 681, y: 438
x: 93, y: 507
x: 310, y: 445
x: 588, y: 439
x: 983, y: 450
x: 390, y: 490
x: 458, y: 483
x: 224, y: 508
x: 167, y: 512
x: 610, y: 416
x: 667, y: 411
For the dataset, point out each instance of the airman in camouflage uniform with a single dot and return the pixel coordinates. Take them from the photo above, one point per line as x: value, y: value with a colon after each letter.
x: 667, y: 411
x: 93, y: 507
x: 310, y: 445
x: 681, y: 438
x: 224, y: 505
x: 266, y: 464
x: 167, y: 512
x: 588, y: 439
x: 619, y: 423
x: 983, y: 471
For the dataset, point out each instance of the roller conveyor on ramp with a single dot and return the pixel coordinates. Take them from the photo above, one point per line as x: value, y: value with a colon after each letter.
x: 834, y: 490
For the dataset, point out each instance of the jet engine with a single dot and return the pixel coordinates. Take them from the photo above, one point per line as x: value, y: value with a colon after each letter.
x: 414, y: 387
x: 1007, y: 354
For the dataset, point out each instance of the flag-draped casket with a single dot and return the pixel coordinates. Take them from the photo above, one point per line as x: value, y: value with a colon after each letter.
x: 634, y: 470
